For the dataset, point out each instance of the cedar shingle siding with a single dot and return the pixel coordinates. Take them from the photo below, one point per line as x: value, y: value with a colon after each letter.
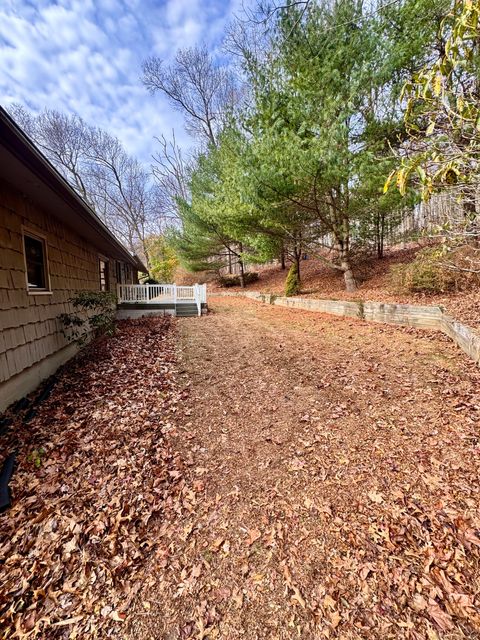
x: 65, y: 242
x: 30, y: 329
x: 31, y: 342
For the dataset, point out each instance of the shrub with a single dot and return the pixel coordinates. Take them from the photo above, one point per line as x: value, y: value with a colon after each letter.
x: 234, y: 280
x: 467, y: 260
x: 95, y: 315
x: 435, y: 270
x: 163, y: 260
x: 292, y: 283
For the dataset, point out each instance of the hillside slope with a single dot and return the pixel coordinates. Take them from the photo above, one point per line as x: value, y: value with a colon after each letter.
x: 320, y: 281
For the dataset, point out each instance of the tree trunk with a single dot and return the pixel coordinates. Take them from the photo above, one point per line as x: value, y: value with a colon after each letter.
x: 242, y: 274
x: 229, y: 262
x: 282, y: 259
x: 298, y: 255
x: 346, y: 267
x: 350, y: 283
x: 377, y: 235
x: 381, y: 235
x: 242, y: 268
x: 472, y: 221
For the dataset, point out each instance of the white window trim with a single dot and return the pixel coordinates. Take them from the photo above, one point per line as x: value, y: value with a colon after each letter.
x: 107, y: 280
x: 32, y: 233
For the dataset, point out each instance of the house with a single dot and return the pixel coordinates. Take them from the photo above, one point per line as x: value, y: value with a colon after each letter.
x: 51, y: 245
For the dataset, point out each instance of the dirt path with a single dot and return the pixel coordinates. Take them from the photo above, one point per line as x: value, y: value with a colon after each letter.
x: 327, y: 483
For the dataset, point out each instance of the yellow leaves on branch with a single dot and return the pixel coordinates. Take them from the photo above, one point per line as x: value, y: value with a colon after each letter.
x: 437, y: 84
x: 402, y: 180
x: 388, y: 182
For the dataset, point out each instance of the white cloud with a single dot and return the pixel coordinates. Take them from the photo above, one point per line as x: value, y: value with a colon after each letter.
x: 85, y: 56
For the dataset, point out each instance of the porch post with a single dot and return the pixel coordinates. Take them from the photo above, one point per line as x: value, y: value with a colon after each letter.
x: 198, y: 300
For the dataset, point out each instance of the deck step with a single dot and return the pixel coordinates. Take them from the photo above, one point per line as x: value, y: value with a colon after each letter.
x: 187, y: 310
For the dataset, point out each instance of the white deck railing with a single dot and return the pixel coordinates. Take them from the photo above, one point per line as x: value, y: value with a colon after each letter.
x: 162, y: 293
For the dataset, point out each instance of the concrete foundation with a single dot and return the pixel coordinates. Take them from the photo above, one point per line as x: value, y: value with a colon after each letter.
x: 133, y: 312
x: 28, y: 380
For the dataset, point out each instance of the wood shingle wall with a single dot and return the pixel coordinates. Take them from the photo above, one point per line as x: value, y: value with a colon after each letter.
x: 30, y: 330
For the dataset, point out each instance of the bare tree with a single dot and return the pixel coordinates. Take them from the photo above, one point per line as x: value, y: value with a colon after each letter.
x: 23, y: 117
x: 97, y: 166
x: 247, y: 41
x: 64, y: 139
x: 121, y: 189
x: 171, y: 171
x: 204, y: 92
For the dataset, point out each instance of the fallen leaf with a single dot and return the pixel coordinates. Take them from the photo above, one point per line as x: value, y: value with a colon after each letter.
x: 375, y: 497
x: 441, y: 618
x: 118, y: 617
x: 253, y: 535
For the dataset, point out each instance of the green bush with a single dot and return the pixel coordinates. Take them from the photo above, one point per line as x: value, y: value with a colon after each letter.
x: 292, y: 283
x: 94, y: 315
x: 234, y: 280
x: 434, y: 270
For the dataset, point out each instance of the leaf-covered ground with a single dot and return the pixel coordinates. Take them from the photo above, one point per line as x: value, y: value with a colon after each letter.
x: 94, y: 469
x: 258, y: 473
x: 329, y: 484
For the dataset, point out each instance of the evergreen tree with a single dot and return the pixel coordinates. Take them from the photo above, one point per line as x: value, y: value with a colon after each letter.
x: 302, y: 169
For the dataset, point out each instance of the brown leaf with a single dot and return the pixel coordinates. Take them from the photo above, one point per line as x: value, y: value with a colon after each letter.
x: 334, y: 619
x: 298, y: 596
x: 441, y: 618
x: 216, y: 544
x: 238, y: 599
x: 68, y: 621
x: 253, y: 535
x: 329, y: 602
x: 418, y: 602
x: 226, y: 547
x: 375, y: 497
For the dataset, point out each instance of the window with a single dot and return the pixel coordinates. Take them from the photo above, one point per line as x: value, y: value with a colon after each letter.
x: 36, y: 263
x: 103, y: 275
x: 118, y: 272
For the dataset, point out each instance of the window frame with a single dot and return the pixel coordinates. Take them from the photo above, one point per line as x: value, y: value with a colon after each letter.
x: 106, y: 261
x: 118, y: 272
x: 40, y: 237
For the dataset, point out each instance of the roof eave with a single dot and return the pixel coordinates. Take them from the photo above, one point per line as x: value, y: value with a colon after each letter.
x: 19, y: 144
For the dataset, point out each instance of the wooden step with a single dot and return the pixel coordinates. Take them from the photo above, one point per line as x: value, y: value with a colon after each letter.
x: 186, y: 310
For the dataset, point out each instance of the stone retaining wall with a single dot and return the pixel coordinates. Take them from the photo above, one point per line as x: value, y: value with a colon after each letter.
x: 465, y: 337
x: 423, y: 317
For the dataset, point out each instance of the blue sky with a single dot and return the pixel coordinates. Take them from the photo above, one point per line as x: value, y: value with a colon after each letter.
x: 85, y: 56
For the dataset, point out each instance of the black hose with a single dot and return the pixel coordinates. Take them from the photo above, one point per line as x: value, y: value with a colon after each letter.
x: 5, y: 475
x: 30, y: 407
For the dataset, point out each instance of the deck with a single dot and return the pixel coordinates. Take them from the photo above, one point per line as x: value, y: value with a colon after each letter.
x: 173, y: 299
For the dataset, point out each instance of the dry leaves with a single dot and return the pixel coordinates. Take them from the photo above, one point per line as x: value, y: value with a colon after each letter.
x: 83, y: 524
x: 221, y: 511
x: 339, y: 468
x: 253, y: 535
